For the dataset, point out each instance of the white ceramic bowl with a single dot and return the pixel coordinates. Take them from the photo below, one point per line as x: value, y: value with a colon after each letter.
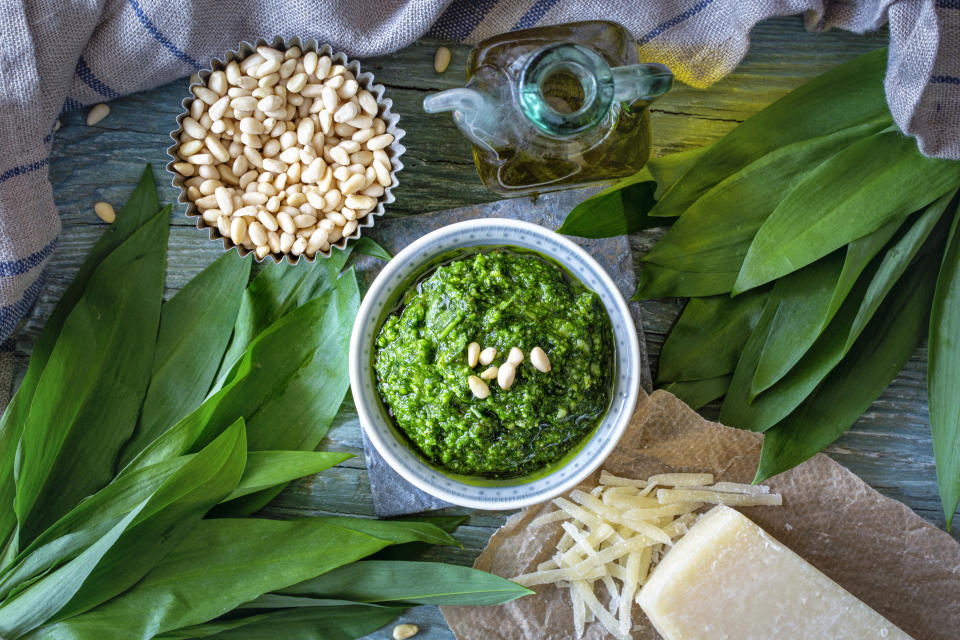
x: 398, y: 452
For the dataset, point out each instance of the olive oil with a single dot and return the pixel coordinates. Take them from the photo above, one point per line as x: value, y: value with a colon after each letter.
x: 553, y: 107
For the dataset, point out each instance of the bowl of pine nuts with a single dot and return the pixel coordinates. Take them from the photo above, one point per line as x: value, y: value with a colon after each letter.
x: 285, y: 150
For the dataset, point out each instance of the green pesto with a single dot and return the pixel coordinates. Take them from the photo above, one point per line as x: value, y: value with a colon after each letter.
x: 502, y: 299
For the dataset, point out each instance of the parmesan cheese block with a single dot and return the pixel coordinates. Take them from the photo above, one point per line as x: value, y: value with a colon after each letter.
x: 728, y: 579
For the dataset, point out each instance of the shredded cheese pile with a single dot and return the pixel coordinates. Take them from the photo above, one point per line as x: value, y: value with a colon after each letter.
x: 619, y: 530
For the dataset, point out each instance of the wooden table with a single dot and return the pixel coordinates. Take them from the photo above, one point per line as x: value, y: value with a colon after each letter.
x: 889, y: 447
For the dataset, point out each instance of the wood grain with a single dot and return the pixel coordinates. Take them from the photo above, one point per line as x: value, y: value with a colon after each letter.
x: 889, y: 446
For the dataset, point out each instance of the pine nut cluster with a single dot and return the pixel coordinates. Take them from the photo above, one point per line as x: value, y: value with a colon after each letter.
x: 284, y: 152
x: 506, y: 373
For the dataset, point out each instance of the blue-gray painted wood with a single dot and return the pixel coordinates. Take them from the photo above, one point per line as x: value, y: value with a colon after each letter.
x: 889, y: 446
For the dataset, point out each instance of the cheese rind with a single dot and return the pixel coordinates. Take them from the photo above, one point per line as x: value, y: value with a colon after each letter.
x: 728, y: 579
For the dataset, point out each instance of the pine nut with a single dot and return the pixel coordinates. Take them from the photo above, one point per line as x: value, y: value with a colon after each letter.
x: 506, y: 376
x: 380, y: 141
x: 262, y: 251
x: 200, y: 158
x: 238, y: 230
x: 346, y: 112
x: 208, y: 96
x: 487, y: 355
x: 360, y: 203
x: 97, y: 113
x: 352, y: 184
x: 317, y: 239
x: 367, y: 102
x: 299, y: 246
x: 224, y: 200
x: 340, y: 155
x: 349, y: 228
x: 244, y: 104
x: 404, y: 631
x: 383, y: 174
x: 267, y: 220
x: 257, y: 233
x: 324, y: 65
x: 473, y: 354
x: 490, y: 373
x: 223, y: 226
x: 219, y: 108
x: 479, y: 388
x: 194, y: 129
x: 441, y: 59
x: 539, y: 359
x: 105, y: 212
x: 337, y: 218
x: 184, y: 168
x: 233, y: 73
x: 515, y: 357
x: 286, y: 242
x: 310, y: 62
x: 217, y: 149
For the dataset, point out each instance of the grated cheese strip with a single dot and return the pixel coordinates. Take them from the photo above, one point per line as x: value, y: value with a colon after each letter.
x: 736, y: 487
x: 681, y: 479
x: 612, y: 553
x: 547, y: 518
x: 651, y: 531
x: 670, y: 496
x: 611, y: 480
x: 579, y: 513
x: 632, y: 579
x: 606, y: 619
x: 578, y: 612
x: 670, y: 510
x: 629, y: 502
x: 577, y: 572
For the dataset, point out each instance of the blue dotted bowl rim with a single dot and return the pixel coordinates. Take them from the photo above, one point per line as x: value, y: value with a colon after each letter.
x: 398, y: 453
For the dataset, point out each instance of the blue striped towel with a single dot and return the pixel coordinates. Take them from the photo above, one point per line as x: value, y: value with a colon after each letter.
x: 62, y: 56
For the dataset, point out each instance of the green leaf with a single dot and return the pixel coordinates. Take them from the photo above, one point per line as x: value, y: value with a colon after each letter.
x: 830, y: 348
x: 623, y: 207
x: 86, y: 523
x: 411, y: 583
x: 26, y: 611
x: 859, y: 379
x: 102, y: 358
x: 396, y: 531
x: 708, y: 337
x: 160, y: 523
x: 221, y: 565
x: 943, y: 371
x: 802, y: 318
x: 307, y: 346
x: 715, y: 232
x: 140, y: 207
x: 276, y: 290
x: 267, y: 469
x: 838, y: 202
x: 368, y: 247
x: 697, y: 393
x: 664, y: 282
x: 313, y: 623
x: 847, y: 96
x: 195, y: 327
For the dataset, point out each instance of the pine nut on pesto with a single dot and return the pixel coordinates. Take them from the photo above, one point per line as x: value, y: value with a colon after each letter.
x: 503, y: 300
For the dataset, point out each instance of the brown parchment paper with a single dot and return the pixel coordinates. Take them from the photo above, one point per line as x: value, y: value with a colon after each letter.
x: 873, y: 546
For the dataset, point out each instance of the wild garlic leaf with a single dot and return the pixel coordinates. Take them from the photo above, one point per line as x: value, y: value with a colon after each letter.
x: 102, y: 358
x: 195, y: 327
x: 843, y: 97
x: 943, y: 371
x: 142, y: 205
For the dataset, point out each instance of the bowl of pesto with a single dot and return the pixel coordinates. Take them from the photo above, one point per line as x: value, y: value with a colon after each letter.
x: 494, y: 364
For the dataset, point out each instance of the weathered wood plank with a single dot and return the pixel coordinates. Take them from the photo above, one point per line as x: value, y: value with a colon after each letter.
x: 889, y: 447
